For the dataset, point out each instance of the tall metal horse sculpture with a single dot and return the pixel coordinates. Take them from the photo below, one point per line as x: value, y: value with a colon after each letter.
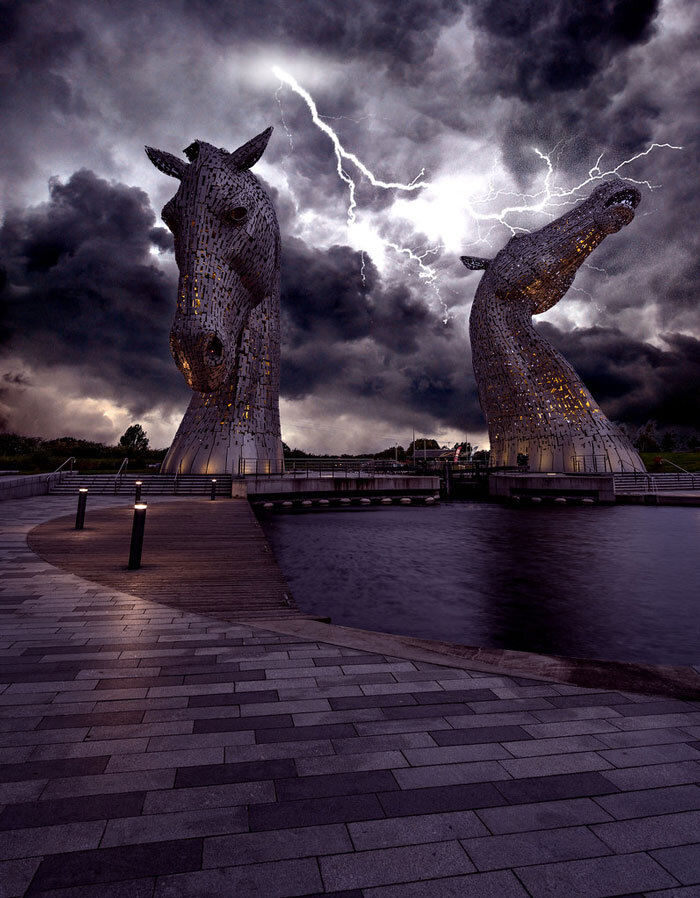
x: 534, y: 402
x: 226, y: 335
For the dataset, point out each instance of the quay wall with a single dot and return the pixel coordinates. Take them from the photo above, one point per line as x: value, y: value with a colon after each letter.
x: 386, y: 485
x: 596, y: 486
x: 23, y: 487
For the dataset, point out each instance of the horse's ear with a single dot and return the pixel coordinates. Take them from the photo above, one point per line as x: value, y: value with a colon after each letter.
x: 166, y: 162
x: 247, y: 155
x: 475, y: 263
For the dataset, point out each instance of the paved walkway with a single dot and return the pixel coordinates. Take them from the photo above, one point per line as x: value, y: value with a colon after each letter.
x: 202, y: 556
x: 152, y: 752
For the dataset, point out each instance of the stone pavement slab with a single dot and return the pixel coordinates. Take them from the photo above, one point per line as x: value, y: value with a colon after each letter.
x: 149, y: 751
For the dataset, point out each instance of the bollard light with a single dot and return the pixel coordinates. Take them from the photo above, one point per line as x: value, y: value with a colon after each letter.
x: 213, y: 490
x: 137, y: 494
x: 80, y: 514
x: 137, y: 535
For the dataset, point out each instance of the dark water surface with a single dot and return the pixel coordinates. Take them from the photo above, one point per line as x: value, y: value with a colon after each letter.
x: 618, y: 583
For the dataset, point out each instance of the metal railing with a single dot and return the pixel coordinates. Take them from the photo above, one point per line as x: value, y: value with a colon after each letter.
x: 320, y: 467
x: 591, y: 464
x: 651, y: 483
x: 118, y: 477
x: 60, y: 469
x: 669, y: 462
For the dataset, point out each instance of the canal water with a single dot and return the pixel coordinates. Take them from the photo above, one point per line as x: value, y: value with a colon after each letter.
x: 619, y: 582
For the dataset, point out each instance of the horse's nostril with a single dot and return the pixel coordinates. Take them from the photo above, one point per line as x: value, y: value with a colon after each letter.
x: 215, y: 349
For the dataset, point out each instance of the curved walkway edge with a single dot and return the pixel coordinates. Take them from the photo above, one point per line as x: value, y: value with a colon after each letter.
x: 678, y: 682
x: 156, y: 752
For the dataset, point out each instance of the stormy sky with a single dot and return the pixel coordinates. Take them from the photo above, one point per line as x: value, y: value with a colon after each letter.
x: 457, y: 93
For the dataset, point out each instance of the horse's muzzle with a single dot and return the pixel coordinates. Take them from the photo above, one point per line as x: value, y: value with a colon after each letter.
x: 201, y: 356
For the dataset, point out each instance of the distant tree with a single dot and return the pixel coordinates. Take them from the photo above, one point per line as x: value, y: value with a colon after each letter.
x: 66, y: 446
x: 134, y: 439
x: 421, y: 445
x: 626, y: 430
x: 14, y: 444
x: 465, y: 450
x: 669, y: 441
x: 397, y: 453
x: 693, y: 443
x: 647, y: 439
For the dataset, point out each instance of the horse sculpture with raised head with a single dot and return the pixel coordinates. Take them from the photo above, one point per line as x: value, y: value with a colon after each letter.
x: 534, y: 402
x: 226, y: 335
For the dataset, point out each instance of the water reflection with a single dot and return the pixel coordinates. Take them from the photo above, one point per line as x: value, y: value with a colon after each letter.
x: 620, y: 582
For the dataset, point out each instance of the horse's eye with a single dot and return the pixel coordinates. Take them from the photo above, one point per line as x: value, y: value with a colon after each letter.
x: 238, y: 214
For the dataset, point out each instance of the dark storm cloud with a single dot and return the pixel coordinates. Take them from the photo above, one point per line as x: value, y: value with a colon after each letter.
x: 635, y: 381
x: 406, y: 85
x: 81, y: 289
x: 399, y: 35
x: 374, y: 340
x: 534, y: 49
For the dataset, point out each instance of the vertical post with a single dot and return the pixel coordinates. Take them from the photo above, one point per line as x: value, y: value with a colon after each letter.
x: 213, y: 490
x: 137, y: 493
x: 137, y: 529
x: 80, y: 514
x: 448, y: 480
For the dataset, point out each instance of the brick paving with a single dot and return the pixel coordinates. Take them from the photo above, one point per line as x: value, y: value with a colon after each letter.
x: 151, y: 752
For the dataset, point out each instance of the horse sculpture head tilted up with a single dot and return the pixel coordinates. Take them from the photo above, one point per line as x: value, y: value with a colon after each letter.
x: 535, y: 404
x: 225, y: 336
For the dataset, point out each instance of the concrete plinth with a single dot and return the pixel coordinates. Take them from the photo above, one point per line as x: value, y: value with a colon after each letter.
x: 380, y: 485
x: 23, y: 487
x: 576, y: 486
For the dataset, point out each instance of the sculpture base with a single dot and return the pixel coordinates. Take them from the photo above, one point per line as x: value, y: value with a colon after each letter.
x: 218, y: 437
x: 607, y: 454
x: 197, y: 457
x: 598, y: 487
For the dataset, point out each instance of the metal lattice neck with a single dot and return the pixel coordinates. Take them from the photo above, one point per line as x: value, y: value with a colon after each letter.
x: 535, y: 404
x: 225, y: 337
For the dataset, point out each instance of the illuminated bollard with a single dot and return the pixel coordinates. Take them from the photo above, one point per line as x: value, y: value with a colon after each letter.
x: 137, y: 494
x: 137, y: 536
x: 80, y: 514
x: 213, y: 490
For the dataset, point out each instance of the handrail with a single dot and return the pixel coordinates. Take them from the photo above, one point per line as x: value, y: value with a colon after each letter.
x: 120, y: 474
x: 61, y: 466
x: 59, y: 470
x: 669, y: 462
x: 653, y: 482
x: 328, y: 467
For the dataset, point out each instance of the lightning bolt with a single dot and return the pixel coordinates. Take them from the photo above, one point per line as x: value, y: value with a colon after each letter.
x: 282, y: 119
x: 548, y: 197
x: 544, y: 201
x: 341, y: 154
x: 426, y: 273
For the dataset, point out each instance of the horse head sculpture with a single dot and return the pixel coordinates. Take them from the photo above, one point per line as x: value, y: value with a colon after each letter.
x: 225, y: 336
x: 534, y: 402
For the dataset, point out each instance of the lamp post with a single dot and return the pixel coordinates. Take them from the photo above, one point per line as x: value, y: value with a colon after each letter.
x: 137, y: 493
x: 213, y: 490
x: 137, y: 535
x: 80, y: 514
